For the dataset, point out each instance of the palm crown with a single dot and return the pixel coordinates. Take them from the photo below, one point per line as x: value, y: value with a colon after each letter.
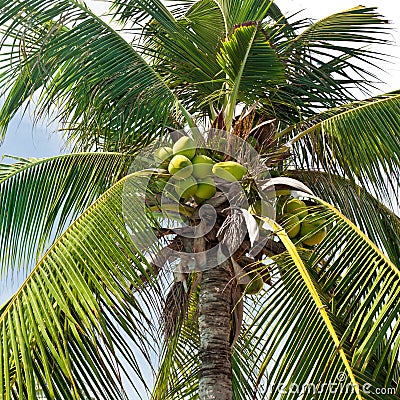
x: 86, y: 319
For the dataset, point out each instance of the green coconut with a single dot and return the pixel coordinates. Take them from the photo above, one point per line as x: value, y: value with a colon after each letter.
x: 202, y: 166
x: 180, y: 167
x: 291, y: 224
x: 255, y: 285
x: 206, y: 188
x: 186, y: 187
x: 296, y: 207
x: 163, y: 154
x: 230, y: 171
x: 185, y: 146
x: 314, y: 226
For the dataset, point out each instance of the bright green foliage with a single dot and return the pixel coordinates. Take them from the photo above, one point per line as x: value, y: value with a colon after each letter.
x: 88, y: 316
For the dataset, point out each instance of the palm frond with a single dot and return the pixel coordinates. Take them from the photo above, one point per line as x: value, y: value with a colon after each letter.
x: 380, y: 224
x: 40, y: 197
x: 185, y: 54
x: 359, y: 141
x: 73, y: 326
x: 251, y: 65
x: 326, y: 60
x: 103, y: 90
x: 237, y: 13
x: 326, y: 316
x: 138, y: 12
x: 364, y: 295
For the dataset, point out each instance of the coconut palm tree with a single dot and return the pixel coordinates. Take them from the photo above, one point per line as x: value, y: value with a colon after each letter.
x: 96, y: 313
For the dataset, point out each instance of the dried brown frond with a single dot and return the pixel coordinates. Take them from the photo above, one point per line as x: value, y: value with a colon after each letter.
x: 219, y: 122
x: 175, y: 309
x: 237, y: 313
x: 244, y: 125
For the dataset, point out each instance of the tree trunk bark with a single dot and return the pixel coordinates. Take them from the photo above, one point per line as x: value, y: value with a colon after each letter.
x: 215, y: 381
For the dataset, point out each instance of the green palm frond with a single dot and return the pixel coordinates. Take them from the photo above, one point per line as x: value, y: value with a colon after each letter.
x: 40, y: 197
x: 251, y: 65
x: 97, y: 309
x: 359, y: 141
x: 326, y: 60
x: 239, y: 12
x: 69, y: 326
x: 103, y: 89
x: 138, y: 12
x: 364, y: 295
x: 186, y: 53
x: 328, y: 313
x: 380, y: 224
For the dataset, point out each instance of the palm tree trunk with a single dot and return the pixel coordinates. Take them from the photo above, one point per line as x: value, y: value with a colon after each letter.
x: 214, y: 322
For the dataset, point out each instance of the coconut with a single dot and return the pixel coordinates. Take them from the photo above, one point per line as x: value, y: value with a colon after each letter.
x: 291, y: 223
x: 202, y: 166
x: 185, y: 146
x: 255, y: 285
x: 206, y: 188
x: 163, y: 154
x: 180, y: 167
x: 186, y: 187
x: 312, y: 231
x: 230, y: 171
x: 296, y: 207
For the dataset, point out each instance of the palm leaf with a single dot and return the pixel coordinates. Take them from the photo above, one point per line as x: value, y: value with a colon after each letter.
x: 313, y: 324
x: 380, y: 224
x: 368, y: 287
x: 63, y: 329
x: 69, y: 55
x: 140, y: 11
x: 186, y: 53
x: 237, y: 13
x: 251, y: 65
x: 358, y: 141
x: 40, y: 197
x: 325, y: 61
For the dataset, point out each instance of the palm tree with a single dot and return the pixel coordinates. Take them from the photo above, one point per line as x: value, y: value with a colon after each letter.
x: 95, y: 309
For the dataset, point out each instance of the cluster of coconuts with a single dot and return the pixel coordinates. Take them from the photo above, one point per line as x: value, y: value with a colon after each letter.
x: 304, y: 227
x: 193, y: 173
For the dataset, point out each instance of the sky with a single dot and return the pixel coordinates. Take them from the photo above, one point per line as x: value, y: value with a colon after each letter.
x: 26, y: 140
